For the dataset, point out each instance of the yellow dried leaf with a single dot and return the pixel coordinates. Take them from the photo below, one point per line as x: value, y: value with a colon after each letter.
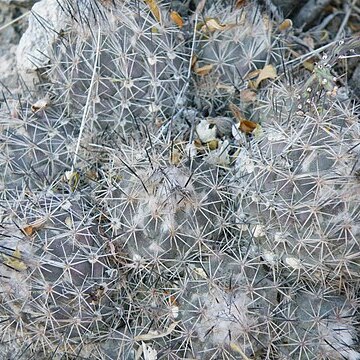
x: 204, y: 70
x: 237, y: 348
x: 308, y: 65
x: 268, y: 72
x: 213, y: 25
x: 154, y: 8
x: 286, y: 25
x: 72, y: 178
x: 213, y: 144
x: 14, y: 261
x: 176, y: 18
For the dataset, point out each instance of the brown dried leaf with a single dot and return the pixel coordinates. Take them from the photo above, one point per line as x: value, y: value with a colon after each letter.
x: 238, y: 115
x: 286, y: 25
x: 28, y: 230
x: 154, y: 8
x: 268, y: 72
x: 176, y: 18
x: 204, y: 70
x: 240, y: 3
x: 194, y: 60
x: 247, y: 126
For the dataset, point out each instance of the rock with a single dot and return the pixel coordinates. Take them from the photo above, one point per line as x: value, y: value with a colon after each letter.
x: 45, y: 24
x: 21, y: 3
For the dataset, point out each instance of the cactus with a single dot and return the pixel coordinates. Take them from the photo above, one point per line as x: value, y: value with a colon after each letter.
x: 64, y: 296
x: 298, y: 187
x: 134, y: 228
x: 232, y: 43
x: 129, y: 67
x: 157, y: 202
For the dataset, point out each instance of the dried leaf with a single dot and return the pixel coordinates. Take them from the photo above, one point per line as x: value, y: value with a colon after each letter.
x: 14, y: 261
x: 194, y: 60
x: 156, y: 335
x: 308, y: 65
x: 286, y: 25
x: 238, y: 349
x: 72, y: 178
x: 247, y: 126
x: 204, y: 70
x: 354, y: 25
x: 154, y: 8
x: 175, y: 157
x: 213, y: 25
x: 252, y: 74
x: 34, y: 226
x: 268, y: 72
x: 200, y: 7
x: 238, y: 115
x: 28, y: 230
x: 247, y: 96
x: 176, y: 18
x: 200, y: 272
x: 240, y: 3
x: 40, y: 105
x: 213, y: 144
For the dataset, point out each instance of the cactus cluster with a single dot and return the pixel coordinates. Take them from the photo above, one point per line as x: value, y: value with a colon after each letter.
x: 179, y: 187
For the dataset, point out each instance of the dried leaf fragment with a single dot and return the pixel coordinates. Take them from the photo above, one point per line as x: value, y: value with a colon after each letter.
x: 30, y: 229
x: 246, y: 126
x: 72, y: 178
x: 268, y: 72
x: 176, y: 18
x: 240, y: 3
x: 212, y: 25
x: 204, y: 70
x: 154, y: 8
x: 237, y: 348
x: 247, y: 96
x: 40, y: 104
x: 286, y: 25
x: 14, y: 261
x: 155, y: 334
